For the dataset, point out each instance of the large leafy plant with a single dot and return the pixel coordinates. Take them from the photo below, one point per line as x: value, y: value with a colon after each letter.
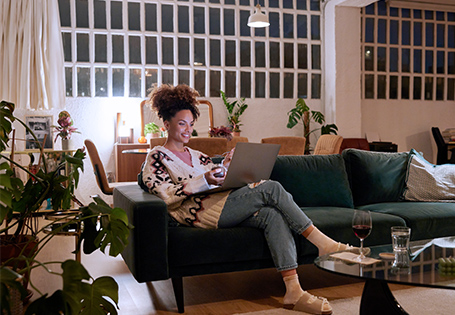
x: 101, y: 226
x: 301, y: 113
x: 235, y: 109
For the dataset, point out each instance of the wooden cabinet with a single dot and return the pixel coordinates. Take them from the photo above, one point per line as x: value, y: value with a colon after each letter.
x: 128, y: 165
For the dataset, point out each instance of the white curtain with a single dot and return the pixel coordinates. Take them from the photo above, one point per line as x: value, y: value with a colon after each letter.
x: 32, y: 72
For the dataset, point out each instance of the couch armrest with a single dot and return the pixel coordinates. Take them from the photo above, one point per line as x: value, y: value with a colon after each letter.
x: 146, y: 254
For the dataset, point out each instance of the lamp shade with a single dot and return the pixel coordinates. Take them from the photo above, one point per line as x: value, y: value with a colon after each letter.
x: 258, y: 19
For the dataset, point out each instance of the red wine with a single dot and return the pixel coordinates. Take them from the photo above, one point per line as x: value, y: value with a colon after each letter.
x: 361, y: 231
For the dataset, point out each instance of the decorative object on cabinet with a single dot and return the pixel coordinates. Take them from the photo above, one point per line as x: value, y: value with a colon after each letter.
x: 41, y: 126
x: 221, y: 132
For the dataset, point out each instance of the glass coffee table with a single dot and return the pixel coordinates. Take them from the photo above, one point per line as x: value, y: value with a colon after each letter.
x: 424, y: 270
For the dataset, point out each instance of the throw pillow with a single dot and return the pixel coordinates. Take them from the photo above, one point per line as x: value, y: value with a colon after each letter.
x: 375, y: 176
x: 429, y: 182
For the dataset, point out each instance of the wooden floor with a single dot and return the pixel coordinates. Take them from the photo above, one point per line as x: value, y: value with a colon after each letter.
x: 229, y: 293
x: 219, y: 294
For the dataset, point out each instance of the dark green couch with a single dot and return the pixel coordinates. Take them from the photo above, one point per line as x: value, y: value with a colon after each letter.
x: 326, y: 187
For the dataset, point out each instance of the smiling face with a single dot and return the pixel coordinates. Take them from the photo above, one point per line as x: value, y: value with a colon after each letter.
x: 180, y: 127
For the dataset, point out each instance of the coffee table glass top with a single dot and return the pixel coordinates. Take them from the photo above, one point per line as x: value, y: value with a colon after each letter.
x: 424, y: 267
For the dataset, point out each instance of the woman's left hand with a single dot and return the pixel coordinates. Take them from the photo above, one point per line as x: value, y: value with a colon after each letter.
x: 228, y: 158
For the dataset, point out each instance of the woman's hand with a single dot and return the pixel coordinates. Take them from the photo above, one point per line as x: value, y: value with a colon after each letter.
x: 228, y: 158
x: 216, y: 176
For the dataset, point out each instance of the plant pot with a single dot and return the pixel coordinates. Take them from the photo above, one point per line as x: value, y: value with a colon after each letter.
x: 236, y: 133
x: 65, y: 144
x: 25, y: 244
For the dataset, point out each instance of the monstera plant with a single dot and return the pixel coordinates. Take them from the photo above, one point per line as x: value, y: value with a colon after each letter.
x: 20, y: 203
x: 301, y: 112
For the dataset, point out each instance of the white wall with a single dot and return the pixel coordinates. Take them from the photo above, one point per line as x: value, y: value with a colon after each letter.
x: 408, y: 123
x: 342, y: 68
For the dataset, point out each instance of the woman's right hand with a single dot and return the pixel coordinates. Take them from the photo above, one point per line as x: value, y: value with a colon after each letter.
x: 213, y: 176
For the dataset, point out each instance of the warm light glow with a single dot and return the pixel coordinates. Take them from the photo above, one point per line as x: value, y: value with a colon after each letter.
x: 123, y: 131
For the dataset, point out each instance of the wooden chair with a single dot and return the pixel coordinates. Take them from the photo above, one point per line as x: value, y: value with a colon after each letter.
x: 328, y: 144
x: 98, y: 168
x: 443, y: 149
x: 210, y: 146
x: 289, y: 145
x: 231, y: 144
x: 157, y: 141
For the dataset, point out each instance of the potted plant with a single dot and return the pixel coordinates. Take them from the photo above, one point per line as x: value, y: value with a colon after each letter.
x: 153, y: 129
x: 221, y: 132
x: 235, y: 109
x: 64, y: 129
x: 301, y: 112
x: 100, y: 226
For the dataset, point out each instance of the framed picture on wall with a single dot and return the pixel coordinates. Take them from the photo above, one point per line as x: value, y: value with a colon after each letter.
x: 41, y: 126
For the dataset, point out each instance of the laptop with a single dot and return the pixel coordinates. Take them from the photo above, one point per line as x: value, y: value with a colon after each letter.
x: 250, y: 163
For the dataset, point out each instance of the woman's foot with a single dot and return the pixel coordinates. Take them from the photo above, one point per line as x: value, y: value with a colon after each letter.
x: 311, y: 304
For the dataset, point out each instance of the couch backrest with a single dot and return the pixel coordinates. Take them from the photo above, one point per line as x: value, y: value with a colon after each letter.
x: 314, y: 180
x: 375, y: 176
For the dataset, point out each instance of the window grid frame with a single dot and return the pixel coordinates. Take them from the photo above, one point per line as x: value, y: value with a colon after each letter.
x: 412, y: 48
x: 73, y: 65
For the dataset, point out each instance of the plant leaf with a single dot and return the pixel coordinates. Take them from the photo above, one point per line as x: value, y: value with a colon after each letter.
x: 113, y: 229
x: 95, y: 303
x: 318, y: 117
x: 296, y: 114
x: 329, y: 129
x: 56, y: 304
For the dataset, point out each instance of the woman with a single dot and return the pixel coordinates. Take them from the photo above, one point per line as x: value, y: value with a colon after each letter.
x: 176, y: 173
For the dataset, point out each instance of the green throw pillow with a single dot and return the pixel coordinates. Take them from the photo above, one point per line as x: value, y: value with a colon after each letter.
x: 375, y: 176
x: 314, y: 180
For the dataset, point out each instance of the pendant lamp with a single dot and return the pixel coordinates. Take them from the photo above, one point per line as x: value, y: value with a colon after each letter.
x: 258, y: 19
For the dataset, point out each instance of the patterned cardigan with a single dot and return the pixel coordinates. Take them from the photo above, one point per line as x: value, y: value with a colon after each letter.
x: 174, y: 181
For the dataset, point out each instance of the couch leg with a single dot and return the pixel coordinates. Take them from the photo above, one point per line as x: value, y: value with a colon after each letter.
x: 177, y: 283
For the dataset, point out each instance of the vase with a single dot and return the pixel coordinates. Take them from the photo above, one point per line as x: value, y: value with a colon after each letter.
x: 65, y: 144
x: 236, y: 133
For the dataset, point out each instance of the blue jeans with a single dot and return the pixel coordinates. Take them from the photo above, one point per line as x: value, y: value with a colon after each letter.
x: 271, y: 208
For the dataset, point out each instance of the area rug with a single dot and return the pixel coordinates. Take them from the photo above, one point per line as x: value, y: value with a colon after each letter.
x: 415, y: 301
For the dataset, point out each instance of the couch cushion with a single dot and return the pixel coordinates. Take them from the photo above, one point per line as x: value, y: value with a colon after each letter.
x: 375, y: 176
x: 314, y: 180
x: 429, y: 182
x: 337, y: 223
x: 426, y: 219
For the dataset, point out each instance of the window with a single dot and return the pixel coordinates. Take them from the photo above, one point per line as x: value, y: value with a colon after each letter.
x: 408, y: 54
x: 121, y: 48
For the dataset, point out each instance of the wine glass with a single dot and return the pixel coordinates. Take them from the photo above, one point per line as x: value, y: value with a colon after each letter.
x: 361, y: 225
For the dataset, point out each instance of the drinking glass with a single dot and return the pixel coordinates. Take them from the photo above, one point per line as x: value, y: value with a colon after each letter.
x: 361, y: 225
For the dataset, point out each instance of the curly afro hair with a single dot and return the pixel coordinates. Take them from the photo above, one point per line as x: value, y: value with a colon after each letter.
x: 167, y: 100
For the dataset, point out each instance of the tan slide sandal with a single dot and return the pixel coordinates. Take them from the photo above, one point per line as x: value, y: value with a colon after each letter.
x: 311, y: 304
